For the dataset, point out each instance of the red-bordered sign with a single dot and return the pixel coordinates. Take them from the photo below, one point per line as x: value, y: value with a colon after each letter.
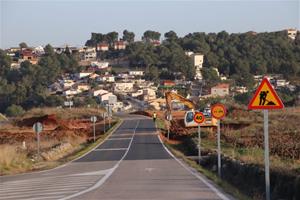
x: 265, y: 97
x: 218, y: 111
x: 199, y: 117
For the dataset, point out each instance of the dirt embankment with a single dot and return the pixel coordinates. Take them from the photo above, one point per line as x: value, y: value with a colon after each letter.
x: 53, y: 128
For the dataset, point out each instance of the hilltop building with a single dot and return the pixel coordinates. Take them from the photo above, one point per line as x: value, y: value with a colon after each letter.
x: 292, y: 33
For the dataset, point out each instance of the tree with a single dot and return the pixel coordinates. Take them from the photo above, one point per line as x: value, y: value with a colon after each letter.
x: 23, y: 45
x: 49, y: 51
x: 54, y: 100
x: 111, y: 37
x: 171, y: 36
x: 5, y: 62
x: 151, y: 73
x: 128, y: 36
x: 151, y: 36
x: 210, y: 75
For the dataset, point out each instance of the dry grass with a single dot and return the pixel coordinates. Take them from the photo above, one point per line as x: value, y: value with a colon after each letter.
x: 13, y: 158
x: 65, y: 113
x: 2, y: 117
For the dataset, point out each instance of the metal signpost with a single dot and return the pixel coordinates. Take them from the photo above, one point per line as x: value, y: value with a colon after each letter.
x: 109, y: 113
x: 169, y: 118
x: 94, y: 119
x: 266, y: 98
x: 38, y: 128
x: 103, y: 116
x: 218, y: 111
x: 199, y: 118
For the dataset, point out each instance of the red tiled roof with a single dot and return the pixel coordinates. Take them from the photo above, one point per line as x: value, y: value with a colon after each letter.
x: 222, y: 85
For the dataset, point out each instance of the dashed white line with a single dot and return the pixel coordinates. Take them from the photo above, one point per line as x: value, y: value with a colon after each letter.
x: 102, y: 180
x: 120, y: 138
x: 112, y: 149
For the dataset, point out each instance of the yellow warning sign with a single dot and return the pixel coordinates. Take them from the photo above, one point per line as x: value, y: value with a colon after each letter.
x: 265, y: 97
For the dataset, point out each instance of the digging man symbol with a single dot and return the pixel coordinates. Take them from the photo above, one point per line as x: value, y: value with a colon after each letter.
x: 262, y: 97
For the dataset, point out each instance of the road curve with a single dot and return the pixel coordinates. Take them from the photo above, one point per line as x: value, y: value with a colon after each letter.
x: 131, y: 164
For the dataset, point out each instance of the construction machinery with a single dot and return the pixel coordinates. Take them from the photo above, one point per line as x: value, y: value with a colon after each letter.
x: 188, y: 115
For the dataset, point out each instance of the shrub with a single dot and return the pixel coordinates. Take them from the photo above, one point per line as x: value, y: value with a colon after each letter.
x: 14, y: 110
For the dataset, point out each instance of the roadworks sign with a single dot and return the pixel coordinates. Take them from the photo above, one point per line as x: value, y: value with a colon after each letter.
x: 265, y: 97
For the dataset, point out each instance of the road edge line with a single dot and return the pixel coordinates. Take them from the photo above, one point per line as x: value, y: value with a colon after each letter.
x: 213, y: 188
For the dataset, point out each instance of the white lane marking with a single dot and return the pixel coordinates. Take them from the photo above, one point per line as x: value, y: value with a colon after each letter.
x: 21, y: 196
x: 102, y: 180
x: 222, y: 196
x: 119, y: 138
x: 61, y: 166
x: 43, y: 198
x: 112, y: 149
x: 100, y: 172
x: 30, y: 187
x: 45, y: 180
x: 36, y: 191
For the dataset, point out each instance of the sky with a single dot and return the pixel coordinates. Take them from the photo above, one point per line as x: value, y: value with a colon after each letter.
x: 71, y: 21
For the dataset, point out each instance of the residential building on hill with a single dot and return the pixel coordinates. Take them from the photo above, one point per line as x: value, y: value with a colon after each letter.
x: 220, y: 90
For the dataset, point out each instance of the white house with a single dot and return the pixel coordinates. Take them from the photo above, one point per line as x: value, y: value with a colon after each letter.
x: 220, y: 90
x: 119, y: 45
x: 292, y: 33
x: 102, y: 47
x: 99, y: 65
x: 281, y: 83
x: 106, y: 78
x: 105, y: 98
x: 136, y: 73
x: 149, y: 94
x: 198, y: 64
x: 81, y: 75
x: 89, y: 53
x: 137, y: 93
x: 99, y: 92
x: 82, y: 87
x: 70, y: 92
x: 67, y: 83
x: 123, y: 87
x: 240, y: 89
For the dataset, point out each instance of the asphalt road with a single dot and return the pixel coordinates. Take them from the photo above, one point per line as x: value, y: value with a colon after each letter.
x: 131, y: 164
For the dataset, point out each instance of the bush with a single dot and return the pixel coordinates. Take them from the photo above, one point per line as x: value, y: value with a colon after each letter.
x: 54, y: 101
x: 14, y: 110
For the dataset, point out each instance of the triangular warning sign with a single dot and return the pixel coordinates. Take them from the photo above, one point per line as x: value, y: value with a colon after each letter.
x: 265, y: 97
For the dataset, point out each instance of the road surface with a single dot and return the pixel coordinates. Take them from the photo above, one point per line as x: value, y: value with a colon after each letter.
x: 131, y: 164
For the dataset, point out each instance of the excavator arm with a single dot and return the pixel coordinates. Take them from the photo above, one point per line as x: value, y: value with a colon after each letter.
x: 173, y: 96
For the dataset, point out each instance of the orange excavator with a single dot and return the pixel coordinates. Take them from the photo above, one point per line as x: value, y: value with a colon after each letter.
x: 188, y: 120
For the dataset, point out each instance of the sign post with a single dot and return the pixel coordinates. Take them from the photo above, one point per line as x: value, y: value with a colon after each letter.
x: 38, y: 128
x: 109, y: 113
x: 94, y: 119
x: 199, y: 118
x: 218, y: 111
x: 103, y: 116
x: 169, y: 118
x: 266, y: 98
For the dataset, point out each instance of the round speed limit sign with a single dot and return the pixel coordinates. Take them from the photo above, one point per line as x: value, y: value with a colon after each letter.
x: 199, y: 117
x: 218, y: 111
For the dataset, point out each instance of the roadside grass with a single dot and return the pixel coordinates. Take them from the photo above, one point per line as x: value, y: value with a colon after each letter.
x: 11, y: 158
x: 14, y: 159
x: 2, y: 117
x: 283, y: 124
